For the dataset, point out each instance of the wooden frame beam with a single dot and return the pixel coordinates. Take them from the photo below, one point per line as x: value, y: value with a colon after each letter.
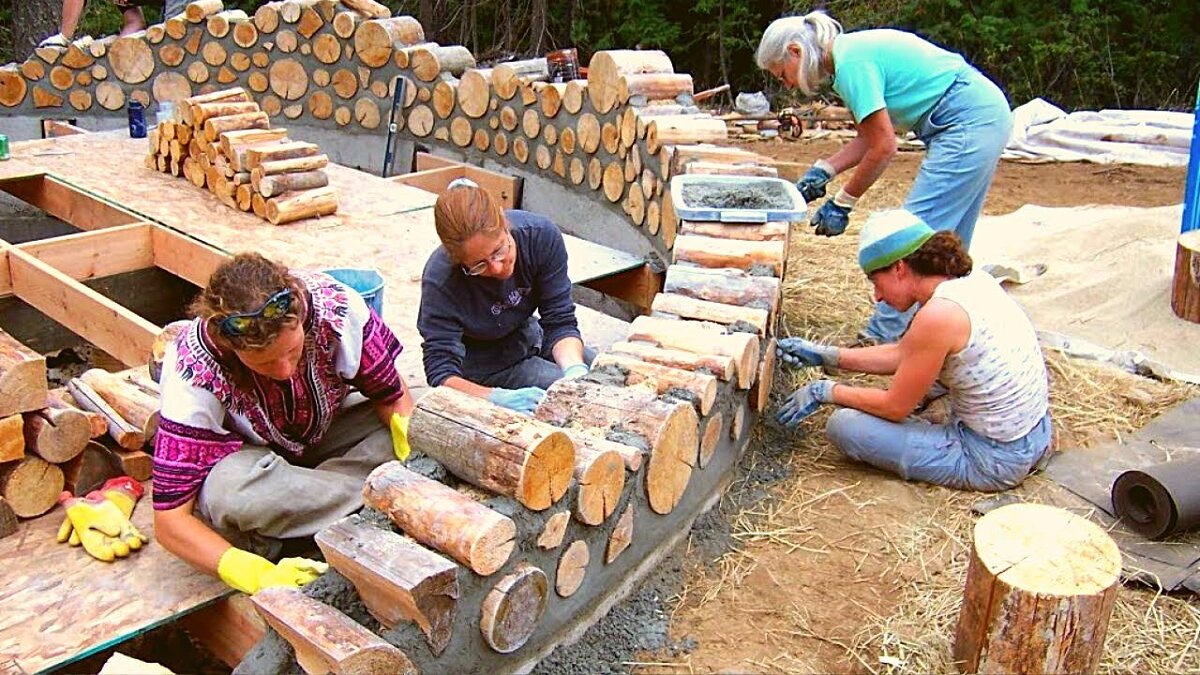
x: 67, y: 203
x: 184, y: 256
x: 100, y: 253
x: 97, y: 319
x: 52, y: 128
x: 502, y: 186
x: 637, y: 286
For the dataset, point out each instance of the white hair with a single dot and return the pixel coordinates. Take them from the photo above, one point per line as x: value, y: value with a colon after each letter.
x: 813, y: 33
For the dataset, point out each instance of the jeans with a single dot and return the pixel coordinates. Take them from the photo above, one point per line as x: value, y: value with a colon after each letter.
x: 965, y: 132
x: 949, y: 454
x: 524, y: 361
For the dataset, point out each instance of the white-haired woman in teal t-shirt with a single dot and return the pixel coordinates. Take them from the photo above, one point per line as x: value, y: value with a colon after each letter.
x: 893, y: 81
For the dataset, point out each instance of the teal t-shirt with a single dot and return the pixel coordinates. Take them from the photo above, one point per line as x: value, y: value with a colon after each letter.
x: 892, y: 69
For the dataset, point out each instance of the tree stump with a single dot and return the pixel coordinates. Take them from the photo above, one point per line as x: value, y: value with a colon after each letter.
x: 1039, y: 592
x: 512, y: 609
x: 1185, y: 291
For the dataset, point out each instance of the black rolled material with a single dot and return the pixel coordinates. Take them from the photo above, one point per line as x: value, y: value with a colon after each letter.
x: 1160, y: 500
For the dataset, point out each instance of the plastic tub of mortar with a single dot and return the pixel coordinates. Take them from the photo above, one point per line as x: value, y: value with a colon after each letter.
x: 736, y: 199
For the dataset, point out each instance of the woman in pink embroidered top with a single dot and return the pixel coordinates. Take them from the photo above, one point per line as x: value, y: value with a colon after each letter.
x: 255, y: 445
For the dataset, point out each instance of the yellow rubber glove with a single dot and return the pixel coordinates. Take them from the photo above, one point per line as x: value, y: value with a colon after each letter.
x: 122, y: 491
x: 399, y: 425
x: 250, y: 573
x: 103, y: 530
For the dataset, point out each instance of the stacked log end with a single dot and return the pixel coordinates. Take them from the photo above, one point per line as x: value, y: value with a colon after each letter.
x: 224, y: 141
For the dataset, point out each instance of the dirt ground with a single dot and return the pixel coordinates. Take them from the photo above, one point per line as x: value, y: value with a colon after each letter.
x: 840, y: 568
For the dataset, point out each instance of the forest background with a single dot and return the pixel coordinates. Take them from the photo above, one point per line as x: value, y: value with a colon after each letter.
x: 1078, y: 54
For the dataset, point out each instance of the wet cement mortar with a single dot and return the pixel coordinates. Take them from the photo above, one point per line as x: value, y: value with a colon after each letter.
x: 741, y: 195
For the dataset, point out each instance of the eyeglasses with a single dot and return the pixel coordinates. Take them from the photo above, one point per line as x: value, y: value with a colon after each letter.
x: 496, y: 257
x: 276, y: 306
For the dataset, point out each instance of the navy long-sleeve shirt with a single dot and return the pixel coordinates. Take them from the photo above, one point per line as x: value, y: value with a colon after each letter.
x: 484, y: 320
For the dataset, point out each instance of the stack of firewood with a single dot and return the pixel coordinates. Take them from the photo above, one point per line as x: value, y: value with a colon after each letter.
x: 223, y: 141
x: 49, y: 438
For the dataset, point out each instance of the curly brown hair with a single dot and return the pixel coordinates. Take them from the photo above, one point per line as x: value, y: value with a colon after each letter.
x: 942, y: 255
x: 243, y: 284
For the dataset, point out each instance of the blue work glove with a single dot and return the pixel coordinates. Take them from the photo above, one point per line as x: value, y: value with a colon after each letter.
x: 804, y: 402
x: 575, y: 370
x: 801, y: 353
x: 812, y: 184
x: 522, y: 400
x: 831, y: 219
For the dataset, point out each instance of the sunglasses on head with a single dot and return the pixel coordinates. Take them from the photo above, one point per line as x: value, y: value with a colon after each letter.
x: 276, y: 306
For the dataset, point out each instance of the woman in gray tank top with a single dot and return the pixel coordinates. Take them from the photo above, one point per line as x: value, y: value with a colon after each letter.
x: 968, y: 338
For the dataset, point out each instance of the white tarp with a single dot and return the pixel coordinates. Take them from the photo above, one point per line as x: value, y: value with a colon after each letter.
x: 1043, y: 132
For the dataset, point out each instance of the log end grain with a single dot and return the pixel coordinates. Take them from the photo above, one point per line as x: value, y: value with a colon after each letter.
x: 547, y: 471
x: 513, y: 609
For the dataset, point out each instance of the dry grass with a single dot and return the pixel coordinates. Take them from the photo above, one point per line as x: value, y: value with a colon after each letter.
x: 827, y: 297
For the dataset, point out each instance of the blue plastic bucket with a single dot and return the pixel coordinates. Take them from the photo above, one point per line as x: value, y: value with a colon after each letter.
x: 368, y: 282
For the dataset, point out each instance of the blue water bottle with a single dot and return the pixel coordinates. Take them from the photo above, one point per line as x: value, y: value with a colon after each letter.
x: 137, y: 120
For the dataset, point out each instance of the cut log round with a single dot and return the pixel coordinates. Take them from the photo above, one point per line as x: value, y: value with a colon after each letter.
x: 218, y: 24
x: 445, y: 94
x: 245, y: 34
x: 760, y: 393
x: 667, y: 428
x: 171, y: 55
x: 577, y: 171
x: 461, y: 132
x: 57, y: 435
x: 8, y: 519
x: 12, y: 438
x: 690, y: 308
x: 420, y: 120
x: 428, y: 62
x: 266, y: 17
x: 345, y: 23
x: 300, y: 205
x: 1039, y: 592
x: 30, y: 485
x: 373, y: 40
x: 500, y: 143
x: 110, y: 96
x: 566, y: 140
x: 131, y: 60
x: 61, y: 78
x: 324, y: 639
x: 288, y: 79
x: 520, y: 149
x: 710, y: 438
x: 635, y: 204
x: 572, y: 568
x: 257, y: 82
x: 554, y: 531
x: 670, y: 221
x: 730, y: 287
x: 595, y: 173
x: 197, y: 10
x: 286, y: 41
x: 22, y: 377
x: 610, y: 138
x: 513, y: 608
x: 78, y: 57
x: 345, y: 84
x: 587, y: 130
x: 574, y: 95
x: 366, y: 112
x: 32, y: 69
x: 622, y: 535
x: 542, y: 156
x: 509, y: 119
x: 702, y: 338
x: 506, y: 77
x: 738, y: 424
x: 493, y: 447
x: 89, y: 469
x: 606, y: 69
x: 320, y: 105
x: 43, y: 98
x: 1185, y: 288
x: 215, y: 126
x: 61, y: 399
x: 654, y: 86
x: 327, y: 48
x: 475, y: 92
x: 310, y: 22
x: 200, y: 113
x: 614, y: 182
x: 482, y: 140
x: 600, y: 474
x: 198, y: 72
x: 441, y: 517
x: 396, y: 578
x: 171, y: 86
x: 702, y: 386
x: 531, y: 123
x: 550, y: 96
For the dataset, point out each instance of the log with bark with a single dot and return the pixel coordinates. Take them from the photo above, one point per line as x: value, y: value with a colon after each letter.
x: 1185, y: 287
x: 493, y: 447
x: 12, y: 438
x: 682, y: 129
x: 507, y: 77
x: 730, y: 253
x: 765, y: 232
x: 374, y: 39
x: 427, y: 62
x: 22, y: 377
x: 690, y: 308
x: 324, y: 639
x: 274, y: 185
x: 126, y: 434
x: 31, y: 485
x: 57, y: 435
x: 701, y: 386
x: 721, y: 366
x: 397, y: 579
x: 606, y: 69
x: 702, y: 337
x: 295, y: 206
x: 61, y: 399
x: 1040, y: 589
x: 729, y: 287
x: 132, y: 403
x: 442, y: 518
x: 668, y: 429
x: 512, y: 610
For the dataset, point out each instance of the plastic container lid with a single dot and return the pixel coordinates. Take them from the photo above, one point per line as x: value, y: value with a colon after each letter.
x: 796, y: 210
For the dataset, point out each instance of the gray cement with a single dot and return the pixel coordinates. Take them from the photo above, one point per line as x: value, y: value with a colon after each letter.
x: 748, y: 195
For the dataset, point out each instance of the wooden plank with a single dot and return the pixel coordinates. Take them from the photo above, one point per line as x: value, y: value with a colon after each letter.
x: 184, y: 256
x: 424, y: 161
x: 228, y: 628
x: 637, y: 286
x: 57, y: 610
x: 99, y: 253
x: 59, y: 199
x: 56, y: 128
x: 502, y: 186
x: 90, y: 315
x: 5, y: 274
x: 432, y: 180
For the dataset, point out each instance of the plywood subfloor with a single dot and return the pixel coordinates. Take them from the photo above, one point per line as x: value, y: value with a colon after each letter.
x: 58, y: 604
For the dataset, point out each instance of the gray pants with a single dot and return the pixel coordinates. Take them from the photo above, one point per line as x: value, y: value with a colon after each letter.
x: 254, y: 495
x: 173, y: 7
